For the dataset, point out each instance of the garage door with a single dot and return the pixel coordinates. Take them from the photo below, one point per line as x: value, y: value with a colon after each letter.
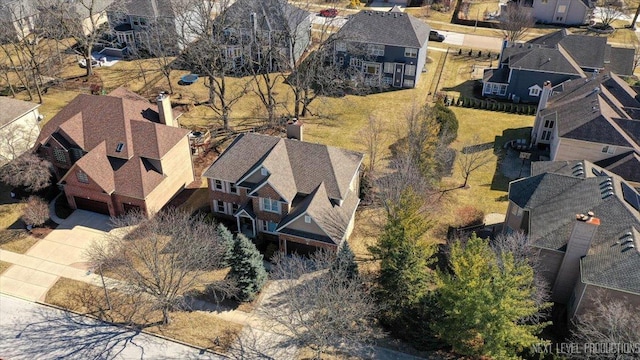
x: 92, y: 205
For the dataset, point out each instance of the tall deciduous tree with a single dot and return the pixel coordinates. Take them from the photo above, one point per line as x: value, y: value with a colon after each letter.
x: 609, y: 11
x: 318, y: 307
x: 485, y: 299
x: 471, y: 158
x: 247, y: 269
x: 163, y: 257
x: 27, y: 171
x: 516, y: 20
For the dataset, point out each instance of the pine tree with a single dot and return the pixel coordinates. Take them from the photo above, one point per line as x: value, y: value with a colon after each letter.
x: 247, y: 269
x: 345, y: 262
x: 485, y: 300
x: 226, y: 238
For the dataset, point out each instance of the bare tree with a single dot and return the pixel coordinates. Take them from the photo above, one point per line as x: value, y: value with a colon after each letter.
x: 635, y: 18
x: 84, y: 21
x: 214, y: 54
x: 36, y: 211
x: 611, y: 321
x: 373, y: 136
x: 608, y: 12
x: 319, y: 307
x: 163, y: 257
x: 471, y: 158
x: 516, y: 20
x: 16, y: 139
x: 27, y: 171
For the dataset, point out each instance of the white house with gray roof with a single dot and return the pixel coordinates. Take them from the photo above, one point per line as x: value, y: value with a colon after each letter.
x: 584, y: 222
x: 557, y: 57
x: 301, y: 195
x: 386, y: 49
x: 19, y: 127
x: 565, y: 12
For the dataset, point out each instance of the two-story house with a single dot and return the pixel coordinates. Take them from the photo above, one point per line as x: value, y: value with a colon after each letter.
x: 584, y: 223
x: 565, y: 12
x: 135, y: 23
x: 269, y: 35
x: 596, y: 119
x: 19, y: 127
x: 556, y: 57
x: 18, y: 19
x: 385, y: 49
x: 118, y: 152
x: 300, y: 194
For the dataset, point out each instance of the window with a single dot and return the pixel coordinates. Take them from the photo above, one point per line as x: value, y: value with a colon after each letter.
x: 340, y: 60
x: 232, y: 188
x: 76, y: 153
x: 387, y: 80
x: 234, y: 52
x: 234, y: 208
x: 408, y: 83
x: 546, y: 135
x: 388, y: 68
x: 143, y: 22
x: 264, y: 172
x: 534, y: 91
x: 307, y: 219
x: 218, y: 185
x: 355, y: 62
x: 270, y: 205
x: 82, y: 177
x: 545, y: 1
x: 516, y: 210
x: 341, y: 46
x: 549, y: 124
x: 120, y: 147
x: 267, y: 226
x: 219, y: 206
x: 561, y: 10
x: 60, y: 155
x: 376, y: 50
x: 503, y: 89
x: 558, y: 18
x: 410, y: 70
x: 372, y: 68
x: 410, y: 52
x: 609, y: 149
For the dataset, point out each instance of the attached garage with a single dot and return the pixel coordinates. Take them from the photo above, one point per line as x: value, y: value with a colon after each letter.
x: 92, y: 205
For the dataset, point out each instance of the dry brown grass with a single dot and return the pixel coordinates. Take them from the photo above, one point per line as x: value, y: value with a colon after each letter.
x: 17, y: 241
x: 4, y: 266
x: 10, y: 209
x: 196, y: 328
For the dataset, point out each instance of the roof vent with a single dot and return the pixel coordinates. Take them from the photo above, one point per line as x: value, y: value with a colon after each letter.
x: 630, y: 247
x: 627, y: 241
x: 577, y: 165
x: 608, y: 188
x: 578, y: 172
x: 607, y: 195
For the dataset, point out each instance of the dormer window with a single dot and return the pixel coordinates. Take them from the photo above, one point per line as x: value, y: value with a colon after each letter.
x: 82, y: 177
x: 119, y: 147
x: 264, y: 172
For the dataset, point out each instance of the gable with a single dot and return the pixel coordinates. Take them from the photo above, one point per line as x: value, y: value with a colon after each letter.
x: 598, y: 130
x: 312, y: 227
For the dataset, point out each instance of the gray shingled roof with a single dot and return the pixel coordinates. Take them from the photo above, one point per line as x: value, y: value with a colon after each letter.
x: 587, y: 51
x: 270, y: 14
x: 625, y: 165
x: 147, y: 8
x: 621, y: 61
x: 387, y: 28
x: 552, y: 196
x: 13, y: 109
x: 520, y: 56
x: 500, y: 75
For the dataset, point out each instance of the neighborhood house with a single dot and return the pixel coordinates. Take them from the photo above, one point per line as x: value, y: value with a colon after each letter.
x: 18, y: 127
x: 302, y: 195
x: 118, y: 152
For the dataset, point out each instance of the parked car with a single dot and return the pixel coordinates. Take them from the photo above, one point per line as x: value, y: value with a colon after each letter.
x: 330, y: 13
x: 436, y: 36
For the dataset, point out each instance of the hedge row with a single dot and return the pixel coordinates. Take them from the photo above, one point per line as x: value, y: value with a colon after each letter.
x: 523, y: 109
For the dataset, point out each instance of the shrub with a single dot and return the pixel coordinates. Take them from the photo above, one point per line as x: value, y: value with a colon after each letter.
x: 447, y: 120
x: 36, y: 211
x: 469, y: 216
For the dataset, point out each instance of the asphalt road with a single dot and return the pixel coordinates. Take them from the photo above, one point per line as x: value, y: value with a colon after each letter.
x: 33, y: 331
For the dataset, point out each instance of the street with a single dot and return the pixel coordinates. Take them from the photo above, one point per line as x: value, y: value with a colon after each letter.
x: 34, y: 331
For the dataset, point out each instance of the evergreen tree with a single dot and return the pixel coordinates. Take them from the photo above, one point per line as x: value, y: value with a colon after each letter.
x: 345, y: 262
x: 405, y: 278
x: 247, y: 269
x: 226, y: 238
x: 485, y: 301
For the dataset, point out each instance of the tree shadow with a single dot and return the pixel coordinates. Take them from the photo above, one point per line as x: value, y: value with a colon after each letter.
x: 468, y: 89
x: 501, y: 182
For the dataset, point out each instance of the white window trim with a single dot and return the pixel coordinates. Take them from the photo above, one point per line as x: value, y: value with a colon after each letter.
x: 231, y: 187
x: 375, y: 65
x: 216, y: 206
x: 214, y: 185
x: 263, y: 206
x: 376, y: 50
x: 307, y: 219
x: 264, y: 226
x: 411, y: 52
x: 410, y: 70
x: 535, y: 90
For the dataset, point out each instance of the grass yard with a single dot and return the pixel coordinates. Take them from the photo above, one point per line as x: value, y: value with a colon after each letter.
x: 10, y: 209
x: 4, y: 266
x: 16, y: 240
x: 88, y: 299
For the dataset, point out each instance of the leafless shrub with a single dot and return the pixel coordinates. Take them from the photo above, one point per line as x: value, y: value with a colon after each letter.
x: 36, y: 211
x: 27, y: 171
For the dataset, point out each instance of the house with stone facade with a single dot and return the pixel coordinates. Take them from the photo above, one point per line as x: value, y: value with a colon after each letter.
x: 596, y: 119
x: 117, y: 153
x: 584, y: 222
x: 300, y: 195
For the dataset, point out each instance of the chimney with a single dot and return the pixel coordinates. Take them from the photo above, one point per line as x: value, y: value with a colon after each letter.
x: 294, y: 129
x: 544, y: 97
x: 584, y: 229
x: 164, y: 109
x: 254, y: 24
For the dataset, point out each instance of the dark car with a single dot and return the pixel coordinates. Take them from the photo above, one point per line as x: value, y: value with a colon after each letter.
x: 329, y: 13
x: 436, y: 36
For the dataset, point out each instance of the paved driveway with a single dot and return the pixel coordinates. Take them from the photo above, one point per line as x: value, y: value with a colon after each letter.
x: 61, y: 253
x: 33, y: 331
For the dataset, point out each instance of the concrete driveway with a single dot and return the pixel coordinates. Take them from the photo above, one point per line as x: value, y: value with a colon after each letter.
x: 59, y: 254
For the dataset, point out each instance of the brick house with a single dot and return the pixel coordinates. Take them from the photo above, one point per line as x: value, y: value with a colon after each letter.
x: 118, y: 152
x: 302, y: 195
x: 584, y: 255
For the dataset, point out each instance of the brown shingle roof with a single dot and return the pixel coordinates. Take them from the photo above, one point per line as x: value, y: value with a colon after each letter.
x: 97, y: 124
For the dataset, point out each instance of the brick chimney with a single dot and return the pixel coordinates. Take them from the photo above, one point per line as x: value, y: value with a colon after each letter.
x: 294, y: 129
x: 164, y: 109
x: 584, y: 229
